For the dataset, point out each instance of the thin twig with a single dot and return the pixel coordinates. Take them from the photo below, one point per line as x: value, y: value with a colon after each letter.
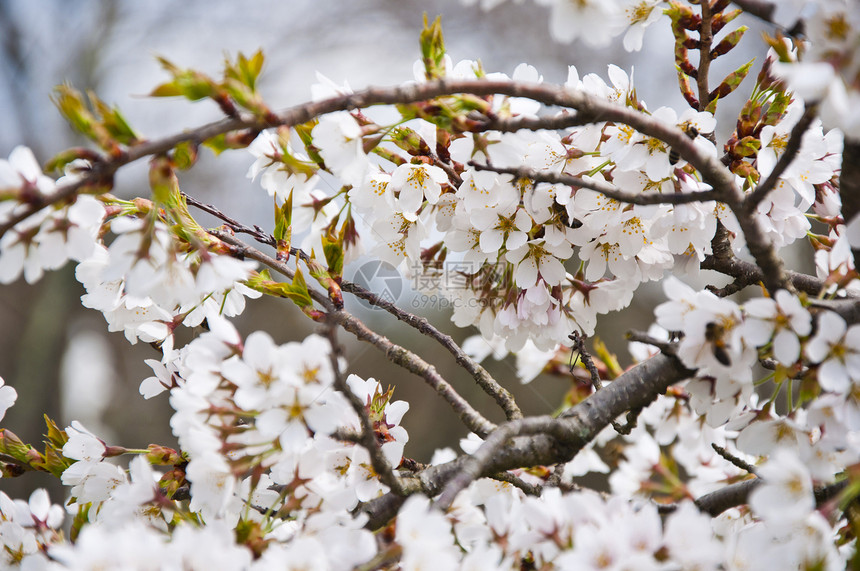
x: 490, y: 386
x: 588, y: 361
x: 603, y: 188
x: 666, y: 347
x: 630, y: 421
x: 368, y: 435
x: 516, y: 481
x: 257, y: 233
x: 579, y: 347
x: 734, y: 460
x: 398, y: 355
x: 730, y: 289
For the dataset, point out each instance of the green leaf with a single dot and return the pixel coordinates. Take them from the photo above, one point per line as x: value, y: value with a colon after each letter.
x: 166, y: 90
x: 187, y: 83
x: 245, y: 70
x: 71, y: 104
x: 56, y: 437
x: 728, y: 43
x: 777, y: 108
x: 55, y: 462
x: 747, y: 147
x: 217, y: 144
x: 162, y: 180
x: 284, y: 219
x: 163, y: 456
x: 322, y: 275
x: 687, y: 89
x: 712, y: 106
x: 113, y: 121
x: 780, y: 46
x: 13, y: 446
x: 185, y: 155
x: 296, y: 291
x: 59, y: 161
x: 719, y: 20
x: 305, y: 133
x: 433, y: 49
x: 682, y: 18
x: 732, y: 81
x: 81, y: 519
x: 333, y: 251
x: 410, y: 141
x: 283, y: 233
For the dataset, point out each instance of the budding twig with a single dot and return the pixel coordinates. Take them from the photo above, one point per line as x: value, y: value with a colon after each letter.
x: 706, y: 37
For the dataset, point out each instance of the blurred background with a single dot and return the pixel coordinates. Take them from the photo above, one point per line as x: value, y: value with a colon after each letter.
x: 59, y: 356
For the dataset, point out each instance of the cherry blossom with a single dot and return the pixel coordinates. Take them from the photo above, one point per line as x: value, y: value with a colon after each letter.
x: 8, y: 396
x: 837, y: 348
x: 785, y: 496
x: 595, y: 23
x: 784, y: 318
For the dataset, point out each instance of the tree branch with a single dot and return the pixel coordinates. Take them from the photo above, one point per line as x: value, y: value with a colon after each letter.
x: 747, y: 273
x: 604, y: 188
x: 737, y: 494
x: 398, y: 355
x: 544, y: 440
x: 590, y: 109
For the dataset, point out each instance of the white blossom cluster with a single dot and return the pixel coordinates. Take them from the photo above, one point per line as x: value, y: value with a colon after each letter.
x: 306, y: 484
x: 48, y: 240
x: 146, y: 294
x: 522, y: 241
